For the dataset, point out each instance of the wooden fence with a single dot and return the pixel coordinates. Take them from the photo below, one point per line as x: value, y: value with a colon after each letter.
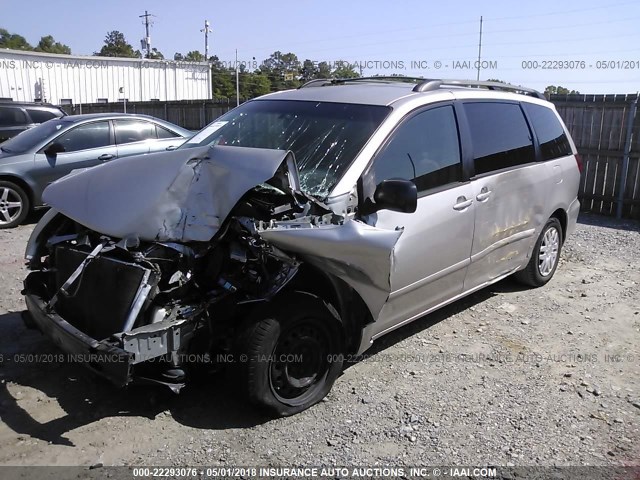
x: 191, y: 114
x: 598, y: 125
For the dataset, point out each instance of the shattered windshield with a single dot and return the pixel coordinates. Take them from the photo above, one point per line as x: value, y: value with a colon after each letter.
x: 324, y: 137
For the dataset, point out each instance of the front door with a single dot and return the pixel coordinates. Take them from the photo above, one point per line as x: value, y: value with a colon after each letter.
x: 431, y: 257
x: 84, y: 146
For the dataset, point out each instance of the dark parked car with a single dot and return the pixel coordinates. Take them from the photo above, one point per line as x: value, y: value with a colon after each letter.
x: 17, y: 117
x: 39, y: 156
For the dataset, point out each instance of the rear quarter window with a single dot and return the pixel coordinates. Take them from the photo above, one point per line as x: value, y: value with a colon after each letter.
x: 165, y: 133
x: 551, y: 136
x: 129, y: 131
x: 12, y: 116
x: 500, y: 136
x: 41, y: 116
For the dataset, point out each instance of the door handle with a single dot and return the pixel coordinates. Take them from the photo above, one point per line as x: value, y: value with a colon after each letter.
x: 105, y: 156
x: 484, y: 195
x: 462, y: 203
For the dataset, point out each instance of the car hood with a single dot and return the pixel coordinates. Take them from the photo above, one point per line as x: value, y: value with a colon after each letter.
x: 186, y: 195
x: 9, y: 158
x: 182, y: 195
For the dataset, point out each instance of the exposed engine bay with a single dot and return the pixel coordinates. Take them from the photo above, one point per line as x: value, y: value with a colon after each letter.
x: 143, y: 294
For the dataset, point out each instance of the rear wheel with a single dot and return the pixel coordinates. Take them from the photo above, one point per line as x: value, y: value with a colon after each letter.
x: 291, y: 354
x: 545, y: 256
x: 14, y: 205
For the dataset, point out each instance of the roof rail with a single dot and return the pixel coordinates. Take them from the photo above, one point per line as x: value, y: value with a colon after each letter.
x: 323, y: 82
x: 430, y: 85
x: 382, y: 78
x: 318, y: 82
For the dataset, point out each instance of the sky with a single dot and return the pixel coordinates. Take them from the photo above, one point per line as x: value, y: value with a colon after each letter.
x: 589, y: 46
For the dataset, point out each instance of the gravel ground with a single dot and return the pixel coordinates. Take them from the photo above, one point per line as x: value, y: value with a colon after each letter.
x: 507, y: 376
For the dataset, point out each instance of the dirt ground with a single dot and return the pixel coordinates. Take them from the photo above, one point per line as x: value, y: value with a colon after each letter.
x: 507, y: 376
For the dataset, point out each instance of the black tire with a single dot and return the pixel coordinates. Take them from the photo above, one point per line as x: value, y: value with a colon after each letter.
x: 536, y: 273
x: 289, y: 355
x: 10, y: 195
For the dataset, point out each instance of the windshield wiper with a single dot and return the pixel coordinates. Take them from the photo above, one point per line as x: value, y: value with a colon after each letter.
x: 4, y: 149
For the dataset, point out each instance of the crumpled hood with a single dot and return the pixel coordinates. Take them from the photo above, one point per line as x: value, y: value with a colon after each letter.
x: 182, y: 195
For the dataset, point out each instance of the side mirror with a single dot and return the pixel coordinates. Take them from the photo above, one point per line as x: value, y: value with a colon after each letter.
x: 397, y: 195
x: 53, y: 149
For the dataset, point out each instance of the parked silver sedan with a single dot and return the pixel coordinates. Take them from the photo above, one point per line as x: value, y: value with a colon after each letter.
x: 39, y: 156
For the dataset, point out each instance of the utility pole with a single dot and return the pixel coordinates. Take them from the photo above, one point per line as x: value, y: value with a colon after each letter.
x: 147, y: 39
x: 206, y: 31
x: 237, y: 81
x: 479, y: 49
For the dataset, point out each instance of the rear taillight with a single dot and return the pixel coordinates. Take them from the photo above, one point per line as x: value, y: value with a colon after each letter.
x: 579, y: 162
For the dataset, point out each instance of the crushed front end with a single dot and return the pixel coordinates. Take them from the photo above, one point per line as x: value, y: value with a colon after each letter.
x: 151, y: 310
x: 147, y: 281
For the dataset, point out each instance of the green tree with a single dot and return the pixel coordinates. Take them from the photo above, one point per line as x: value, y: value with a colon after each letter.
x: 194, y: 56
x: 324, y: 70
x: 178, y: 57
x: 558, y: 90
x: 282, y: 70
x: 156, y: 54
x: 223, y: 81
x: 13, y: 41
x: 48, y: 44
x: 115, y: 45
x: 309, y: 70
x: 495, y: 80
x: 253, y: 85
x: 344, y: 70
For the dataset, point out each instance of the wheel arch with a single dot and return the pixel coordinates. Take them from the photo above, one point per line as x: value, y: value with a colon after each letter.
x: 353, y: 311
x: 562, y: 217
x: 20, y: 182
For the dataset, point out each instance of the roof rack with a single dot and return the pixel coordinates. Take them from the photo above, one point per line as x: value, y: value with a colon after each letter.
x: 434, y: 84
x: 428, y: 84
x: 318, y: 82
x: 324, y: 82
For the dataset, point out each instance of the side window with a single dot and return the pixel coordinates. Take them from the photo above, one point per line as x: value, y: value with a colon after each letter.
x: 11, y: 117
x: 90, y: 135
x: 129, y: 131
x: 551, y: 136
x: 500, y: 136
x: 424, y: 149
x: 164, y: 133
x: 40, y: 116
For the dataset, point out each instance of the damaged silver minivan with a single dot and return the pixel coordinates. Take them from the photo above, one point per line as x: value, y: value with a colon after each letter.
x: 299, y: 227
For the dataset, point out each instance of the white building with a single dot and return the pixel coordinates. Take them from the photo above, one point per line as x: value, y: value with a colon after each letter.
x: 72, y: 79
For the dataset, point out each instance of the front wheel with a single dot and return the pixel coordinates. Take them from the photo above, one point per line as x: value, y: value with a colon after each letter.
x: 545, y: 256
x: 14, y: 205
x: 291, y: 354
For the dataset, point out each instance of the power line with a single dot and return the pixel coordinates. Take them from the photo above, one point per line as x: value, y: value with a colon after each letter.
x: 558, y: 12
x: 378, y: 33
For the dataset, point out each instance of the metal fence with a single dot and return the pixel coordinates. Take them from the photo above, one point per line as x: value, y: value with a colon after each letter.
x: 605, y: 128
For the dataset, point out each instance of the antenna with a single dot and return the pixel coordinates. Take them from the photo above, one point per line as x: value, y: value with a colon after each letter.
x: 147, y: 24
x: 206, y: 31
x: 479, y: 49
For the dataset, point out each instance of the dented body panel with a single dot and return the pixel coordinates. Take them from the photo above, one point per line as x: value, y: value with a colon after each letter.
x: 359, y: 254
x: 180, y: 196
x: 196, y: 240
